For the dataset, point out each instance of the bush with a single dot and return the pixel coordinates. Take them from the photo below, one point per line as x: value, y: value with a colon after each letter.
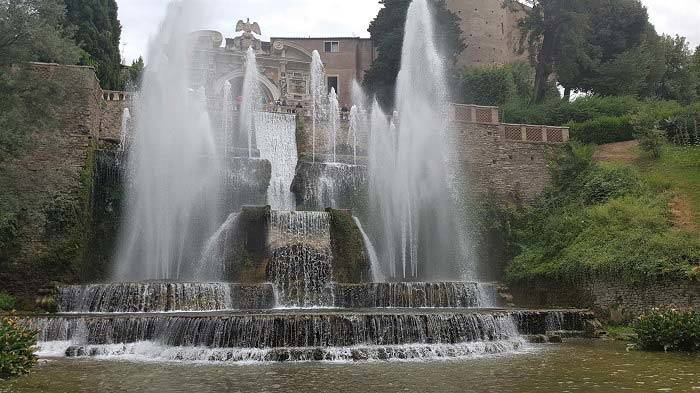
x: 668, y: 330
x: 682, y: 127
x: 7, y: 302
x: 603, y: 130
x: 487, y: 86
x: 17, y: 344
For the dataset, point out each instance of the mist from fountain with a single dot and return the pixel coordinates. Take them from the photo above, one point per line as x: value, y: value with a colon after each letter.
x: 333, y: 121
x: 251, y: 100
x: 318, y: 97
x: 172, y: 199
x: 411, y: 195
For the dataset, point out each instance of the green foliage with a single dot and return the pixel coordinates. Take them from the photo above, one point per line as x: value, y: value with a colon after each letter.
x: 559, y: 112
x: 98, y: 33
x: 669, y: 330
x: 487, y: 86
x: 35, y: 30
x: 603, y: 130
x: 601, y: 221
x: 134, y: 75
x: 681, y: 125
x: 677, y: 82
x: 7, y: 302
x: 17, y: 344
x: 387, y: 31
x: 9, y: 228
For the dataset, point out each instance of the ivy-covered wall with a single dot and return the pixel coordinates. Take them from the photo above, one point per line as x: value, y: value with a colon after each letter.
x: 45, y: 191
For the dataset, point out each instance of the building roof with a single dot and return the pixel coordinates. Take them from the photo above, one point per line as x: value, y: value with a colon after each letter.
x: 320, y: 38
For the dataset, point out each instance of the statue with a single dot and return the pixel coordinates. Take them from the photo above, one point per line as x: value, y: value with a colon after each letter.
x: 247, y: 39
x: 248, y: 28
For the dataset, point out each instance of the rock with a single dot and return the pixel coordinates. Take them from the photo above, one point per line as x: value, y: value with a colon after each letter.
x: 537, y: 338
x: 554, y: 338
x: 592, y: 328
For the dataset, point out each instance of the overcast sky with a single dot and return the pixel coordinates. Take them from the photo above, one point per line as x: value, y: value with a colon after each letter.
x: 304, y: 18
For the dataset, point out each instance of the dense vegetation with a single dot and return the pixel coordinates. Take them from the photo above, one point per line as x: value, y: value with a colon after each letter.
x: 98, y: 33
x: 387, y: 31
x: 16, y: 348
x: 600, y: 221
x: 669, y: 330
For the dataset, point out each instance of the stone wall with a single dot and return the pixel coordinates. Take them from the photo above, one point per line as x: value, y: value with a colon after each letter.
x: 47, y: 180
x: 614, y: 300
x: 490, y: 32
x: 112, y: 109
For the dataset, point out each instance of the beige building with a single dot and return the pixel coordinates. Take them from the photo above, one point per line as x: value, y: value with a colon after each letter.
x: 345, y: 58
x: 490, y: 32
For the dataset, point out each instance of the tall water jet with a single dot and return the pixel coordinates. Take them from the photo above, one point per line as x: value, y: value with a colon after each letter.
x: 251, y: 100
x: 410, y: 188
x: 276, y: 139
x: 318, y: 95
x: 377, y: 275
x: 333, y: 120
x: 173, y: 194
x: 227, y: 117
x: 124, y: 131
x: 355, y: 119
x: 212, y: 262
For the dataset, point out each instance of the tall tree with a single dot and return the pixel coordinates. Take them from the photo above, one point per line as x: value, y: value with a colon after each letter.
x: 695, y: 67
x: 553, y: 31
x: 678, y: 80
x: 612, y: 49
x: 132, y: 77
x: 99, y: 32
x: 387, y: 31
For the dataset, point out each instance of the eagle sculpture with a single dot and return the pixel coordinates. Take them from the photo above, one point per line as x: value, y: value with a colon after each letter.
x: 247, y: 27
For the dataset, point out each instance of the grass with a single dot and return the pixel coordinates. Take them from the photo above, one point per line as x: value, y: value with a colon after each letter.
x: 678, y: 169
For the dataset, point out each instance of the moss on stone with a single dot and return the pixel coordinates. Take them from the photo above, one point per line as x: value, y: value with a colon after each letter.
x: 247, y: 260
x: 350, y: 261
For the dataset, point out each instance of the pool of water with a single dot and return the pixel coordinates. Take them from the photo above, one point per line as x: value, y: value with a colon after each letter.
x: 578, y: 365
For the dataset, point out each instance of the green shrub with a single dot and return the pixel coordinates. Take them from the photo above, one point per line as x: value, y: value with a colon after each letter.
x: 682, y: 126
x: 17, y: 344
x: 487, y: 86
x: 668, y: 330
x: 603, y: 130
x: 7, y: 302
x: 602, y: 184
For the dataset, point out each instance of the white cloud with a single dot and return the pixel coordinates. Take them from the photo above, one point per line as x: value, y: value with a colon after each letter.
x: 676, y: 17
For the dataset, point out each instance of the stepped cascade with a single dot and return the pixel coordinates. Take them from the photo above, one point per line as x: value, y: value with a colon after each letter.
x: 227, y: 255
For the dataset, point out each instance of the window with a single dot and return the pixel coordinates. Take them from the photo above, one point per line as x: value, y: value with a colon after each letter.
x: 332, y: 84
x: 332, y: 46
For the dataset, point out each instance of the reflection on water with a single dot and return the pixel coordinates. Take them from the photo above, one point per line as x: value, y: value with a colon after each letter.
x: 578, y: 365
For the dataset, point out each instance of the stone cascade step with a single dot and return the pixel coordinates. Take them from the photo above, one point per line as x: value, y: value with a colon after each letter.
x: 171, y: 296
x: 304, y: 328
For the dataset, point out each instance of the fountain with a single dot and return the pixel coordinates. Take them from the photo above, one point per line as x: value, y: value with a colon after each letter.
x: 226, y: 115
x: 124, y: 131
x: 274, y: 284
x: 173, y: 199
x: 318, y: 95
x: 410, y: 192
x: 251, y: 100
x: 333, y: 121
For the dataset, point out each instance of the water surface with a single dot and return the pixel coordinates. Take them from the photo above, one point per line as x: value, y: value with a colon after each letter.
x: 600, y: 366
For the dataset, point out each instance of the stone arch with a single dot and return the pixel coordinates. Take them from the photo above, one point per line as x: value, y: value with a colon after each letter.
x: 297, y: 47
x: 272, y: 90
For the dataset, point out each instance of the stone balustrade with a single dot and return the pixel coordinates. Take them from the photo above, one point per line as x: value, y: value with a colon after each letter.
x: 113, y: 95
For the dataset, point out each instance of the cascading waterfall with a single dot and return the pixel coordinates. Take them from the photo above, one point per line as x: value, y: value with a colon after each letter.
x: 301, y: 260
x: 251, y: 100
x: 355, y: 121
x: 173, y: 197
x: 333, y: 120
x: 276, y: 139
x: 318, y: 96
x: 410, y: 190
x: 377, y: 275
x: 124, y: 131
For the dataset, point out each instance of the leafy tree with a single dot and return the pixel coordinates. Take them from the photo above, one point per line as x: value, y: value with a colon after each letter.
x: 35, y: 30
x: 678, y: 81
x: 387, y: 31
x: 554, y: 33
x: 133, y: 75
x: 695, y: 67
x: 30, y: 30
x: 98, y: 33
x: 612, y: 49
